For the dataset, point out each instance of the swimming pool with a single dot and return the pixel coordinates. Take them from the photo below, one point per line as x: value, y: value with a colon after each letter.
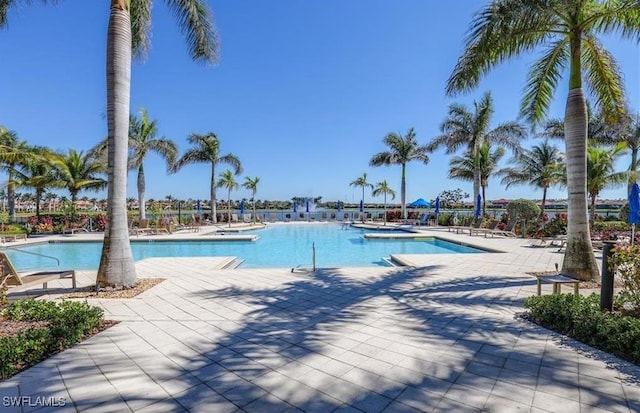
x: 278, y: 246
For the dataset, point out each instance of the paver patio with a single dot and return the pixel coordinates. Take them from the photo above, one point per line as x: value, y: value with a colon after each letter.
x: 441, y: 336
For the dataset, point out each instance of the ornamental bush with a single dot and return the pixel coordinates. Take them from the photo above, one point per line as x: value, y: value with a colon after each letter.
x: 64, y: 325
x: 580, y: 317
x: 625, y: 263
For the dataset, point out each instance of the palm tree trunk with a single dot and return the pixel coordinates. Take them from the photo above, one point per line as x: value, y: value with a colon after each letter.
x: 384, y: 209
x: 11, y: 197
x: 544, y: 202
x: 38, y: 198
x: 363, y: 186
x: 214, y: 217
x: 116, y: 263
x: 403, y: 192
x: 229, y: 208
x: 142, y: 207
x: 579, y: 261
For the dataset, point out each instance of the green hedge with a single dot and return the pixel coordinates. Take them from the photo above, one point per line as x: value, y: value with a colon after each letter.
x: 68, y: 323
x: 580, y: 317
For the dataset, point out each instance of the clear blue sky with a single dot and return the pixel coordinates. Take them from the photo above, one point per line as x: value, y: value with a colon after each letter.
x: 303, y: 94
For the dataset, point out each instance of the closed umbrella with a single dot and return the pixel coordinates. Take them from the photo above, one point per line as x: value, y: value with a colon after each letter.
x: 361, y: 206
x: 307, y: 208
x: 338, y: 206
x: 295, y: 207
x: 478, y: 205
x: 634, y: 209
x: 242, y: 207
x: 437, y: 211
x: 198, y: 206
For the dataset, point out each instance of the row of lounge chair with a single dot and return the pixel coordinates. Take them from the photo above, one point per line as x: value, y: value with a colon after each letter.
x: 474, y: 227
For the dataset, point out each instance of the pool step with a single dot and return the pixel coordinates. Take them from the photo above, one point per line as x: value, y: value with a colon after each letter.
x: 233, y: 264
x: 391, y: 262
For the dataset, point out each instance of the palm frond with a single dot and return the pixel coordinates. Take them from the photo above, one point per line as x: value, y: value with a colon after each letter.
x: 542, y: 81
x: 500, y: 30
x: 604, y: 78
x: 140, y: 12
x: 196, y: 23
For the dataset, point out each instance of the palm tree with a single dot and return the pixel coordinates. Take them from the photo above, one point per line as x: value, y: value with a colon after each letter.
x: 38, y: 173
x: 383, y: 188
x: 541, y: 167
x: 252, y: 185
x: 568, y: 30
x: 207, y: 150
x: 402, y: 150
x: 228, y: 181
x: 362, y: 181
x: 464, y: 129
x: 628, y: 132
x: 142, y: 140
x: 466, y: 167
x: 127, y: 34
x: 76, y: 171
x: 13, y: 154
x: 601, y: 172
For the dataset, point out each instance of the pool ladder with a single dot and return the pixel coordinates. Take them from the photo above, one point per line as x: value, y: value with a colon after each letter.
x: 34, y: 253
x: 313, y: 260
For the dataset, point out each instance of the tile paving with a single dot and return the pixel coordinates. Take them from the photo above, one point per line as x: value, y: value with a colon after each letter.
x: 440, y: 336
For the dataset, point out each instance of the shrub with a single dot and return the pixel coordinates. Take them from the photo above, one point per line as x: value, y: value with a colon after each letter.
x: 67, y: 323
x: 580, y: 317
x: 523, y: 209
x: 625, y: 263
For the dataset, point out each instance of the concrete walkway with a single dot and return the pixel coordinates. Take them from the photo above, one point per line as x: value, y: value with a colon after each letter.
x: 443, y: 336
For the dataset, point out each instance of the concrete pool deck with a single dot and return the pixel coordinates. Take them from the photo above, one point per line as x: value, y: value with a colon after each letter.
x: 440, y: 336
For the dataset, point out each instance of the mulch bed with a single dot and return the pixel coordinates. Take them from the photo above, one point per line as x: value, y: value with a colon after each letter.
x: 90, y: 292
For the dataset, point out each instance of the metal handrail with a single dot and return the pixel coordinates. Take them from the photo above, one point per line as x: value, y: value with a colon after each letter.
x: 34, y: 253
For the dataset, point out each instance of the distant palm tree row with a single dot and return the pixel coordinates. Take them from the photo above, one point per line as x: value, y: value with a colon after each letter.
x: 541, y: 166
x: 41, y: 169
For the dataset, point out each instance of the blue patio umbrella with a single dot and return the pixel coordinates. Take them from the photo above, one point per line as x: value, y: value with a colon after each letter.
x: 361, y: 205
x: 242, y: 207
x: 338, y: 206
x: 307, y: 207
x: 198, y: 206
x: 437, y: 211
x: 478, y: 205
x: 420, y: 203
x: 634, y: 209
x: 295, y: 207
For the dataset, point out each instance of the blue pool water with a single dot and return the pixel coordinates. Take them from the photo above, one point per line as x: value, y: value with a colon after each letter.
x: 279, y: 246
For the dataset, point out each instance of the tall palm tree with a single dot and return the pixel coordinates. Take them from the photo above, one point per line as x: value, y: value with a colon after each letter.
x: 13, y: 153
x: 38, y: 173
x: 568, y: 31
x: 228, y: 181
x: 207, y: 150
x: 402, y: 150
x: 601, y: 173
x: 128, y: 33
x: 463, y: 129
x: 383, y: 188
x: 142, y: 140
x: 252, y: 185
x: 466, y: 167
x: 362, y: 182
x: 541, y: 166
x: 77, y: 171
x: 626, y: 131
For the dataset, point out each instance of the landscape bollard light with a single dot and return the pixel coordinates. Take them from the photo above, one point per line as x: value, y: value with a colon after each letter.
x: 606, y: 282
